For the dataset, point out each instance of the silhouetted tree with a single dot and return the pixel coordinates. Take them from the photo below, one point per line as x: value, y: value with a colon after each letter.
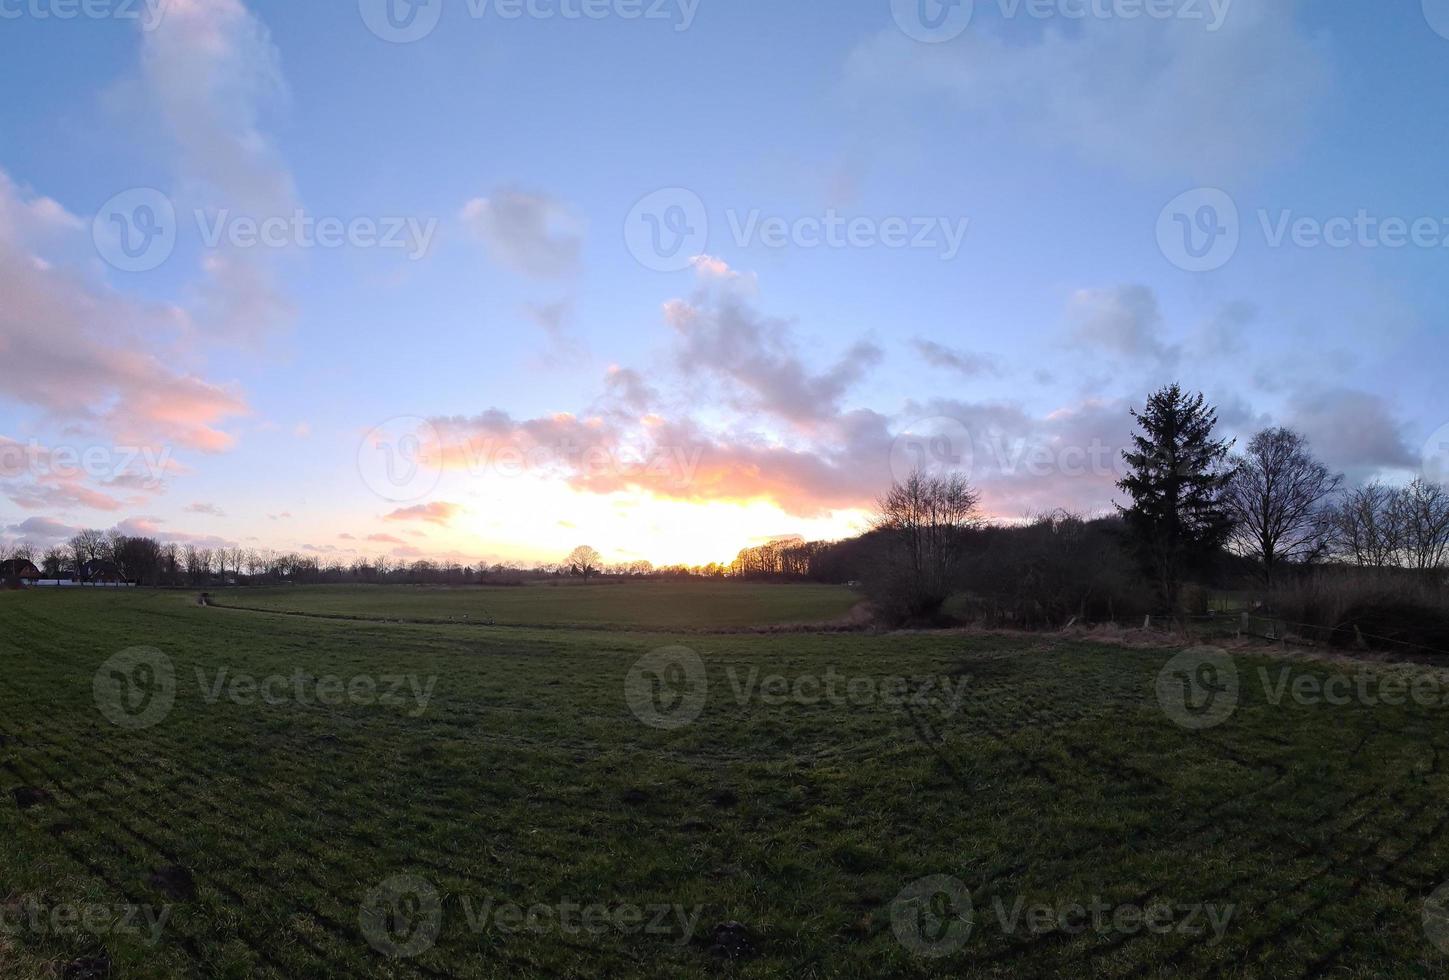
x: 1180, y: 474
x: 1422, y: 515
x: 1281, y: 500
x: 924, y: 519
x: 584, y: 561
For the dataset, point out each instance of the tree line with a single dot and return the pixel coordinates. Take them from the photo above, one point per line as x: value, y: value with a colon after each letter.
x: 1197, y: 509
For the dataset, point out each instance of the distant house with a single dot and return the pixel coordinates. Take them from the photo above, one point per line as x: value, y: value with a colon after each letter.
x: 19, y: 570
x: 100, y: 573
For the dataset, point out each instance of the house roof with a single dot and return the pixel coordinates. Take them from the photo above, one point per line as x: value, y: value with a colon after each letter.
x: 18, y: 568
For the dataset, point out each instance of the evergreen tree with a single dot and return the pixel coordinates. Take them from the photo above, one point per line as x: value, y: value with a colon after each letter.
x: 1180, y: 474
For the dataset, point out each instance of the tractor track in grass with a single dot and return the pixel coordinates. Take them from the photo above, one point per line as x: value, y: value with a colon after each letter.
x: 438, y: 872
x: 114, y: 819
x: 75, y: 817
x: 262, y: 794
x: 783, y: 629
x: 1017, y: 948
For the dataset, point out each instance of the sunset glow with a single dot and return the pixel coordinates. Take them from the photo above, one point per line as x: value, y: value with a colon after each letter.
x: 237, y: 288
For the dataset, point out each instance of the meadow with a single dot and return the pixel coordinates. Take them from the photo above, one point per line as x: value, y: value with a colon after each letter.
x: 275, y: 795
x: 632, y: 605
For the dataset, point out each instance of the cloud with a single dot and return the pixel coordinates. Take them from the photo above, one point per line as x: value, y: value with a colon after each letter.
x: 210, y: 510
x: 210, y: 69
x: 42, y: 530
x: 1351, y: 430
x: 1222, y: 336
x: 754, y: 358
x: 628, y: 388
x: 385, y: 539
x: 1027, y: 463
x: 711, y: 267
x: 151, y: 527
x: 62, y: 495
x: 81, y: 353
x: 439, y: 513
x: 1123, y: 321
x: 962, y: 362
x: 1142, y: 95
x: 530, y: 233
x: 553, y: 320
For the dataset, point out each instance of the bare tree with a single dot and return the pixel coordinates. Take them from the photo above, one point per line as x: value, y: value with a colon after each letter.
x: 584, y: 561
x: 924, y: 519
x: 86, y: 546
x: 1366, y: 529
x: 1280, y: 499
x: 1421, y: 513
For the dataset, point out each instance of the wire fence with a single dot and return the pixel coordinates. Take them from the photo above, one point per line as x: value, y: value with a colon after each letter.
x: 1280, y: 630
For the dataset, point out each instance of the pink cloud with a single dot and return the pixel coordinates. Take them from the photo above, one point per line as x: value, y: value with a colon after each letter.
x: 83, y: 354
x: 439, y: 513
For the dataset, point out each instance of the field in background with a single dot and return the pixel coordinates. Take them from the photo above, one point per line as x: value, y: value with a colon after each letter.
x: 647, y: 605
x: 792, y: 823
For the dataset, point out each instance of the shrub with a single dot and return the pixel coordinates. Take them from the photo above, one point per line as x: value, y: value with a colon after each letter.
x: 1382, y: 608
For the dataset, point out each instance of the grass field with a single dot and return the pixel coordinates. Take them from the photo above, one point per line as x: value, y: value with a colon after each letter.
x: 639, y: 605
x: 535, y: 803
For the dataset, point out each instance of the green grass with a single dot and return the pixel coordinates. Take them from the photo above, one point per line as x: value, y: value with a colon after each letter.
x: 528, y: 780
x: 649, y: 605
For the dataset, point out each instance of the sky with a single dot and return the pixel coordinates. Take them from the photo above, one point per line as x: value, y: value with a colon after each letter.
x: 483, y: 280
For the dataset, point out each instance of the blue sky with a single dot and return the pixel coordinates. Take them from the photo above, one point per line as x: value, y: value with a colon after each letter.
x: 757, y: 390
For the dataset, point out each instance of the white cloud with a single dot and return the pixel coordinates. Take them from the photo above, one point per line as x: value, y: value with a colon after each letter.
x: 210, y: 69
x: 1141, y: 95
